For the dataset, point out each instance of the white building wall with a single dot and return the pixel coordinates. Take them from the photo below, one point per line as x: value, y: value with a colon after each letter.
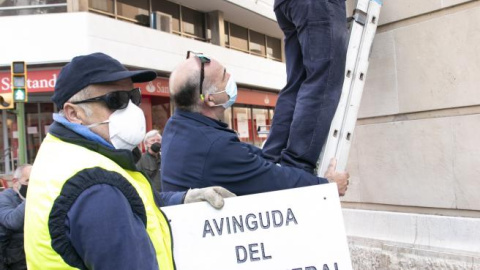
x: 413, y: 199
x: 415, y: 142
x: 53, y: 38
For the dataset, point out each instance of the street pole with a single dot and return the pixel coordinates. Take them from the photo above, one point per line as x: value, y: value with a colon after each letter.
x: 6, y: 144
x: 22, y: 145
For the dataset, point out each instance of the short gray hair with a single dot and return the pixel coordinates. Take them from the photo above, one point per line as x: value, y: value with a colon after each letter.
x: 150, y: 134
x: 81, y: 95
x: 210, y: 88
x: 19, y: 171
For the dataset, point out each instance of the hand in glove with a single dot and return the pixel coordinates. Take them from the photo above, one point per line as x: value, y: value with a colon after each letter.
x: 213, y: 195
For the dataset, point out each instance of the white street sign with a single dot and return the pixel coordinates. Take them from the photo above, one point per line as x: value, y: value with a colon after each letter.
x: 296, y: 229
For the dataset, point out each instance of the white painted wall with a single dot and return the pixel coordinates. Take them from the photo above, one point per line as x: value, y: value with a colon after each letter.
x: 423, y: 80
x: 398, y: 10
x: 262, y: 7
x: 415, y: 147
x: 53, y: 38
x: 427, y: 231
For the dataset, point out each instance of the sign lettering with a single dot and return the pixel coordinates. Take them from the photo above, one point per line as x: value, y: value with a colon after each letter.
x: 297, y: 229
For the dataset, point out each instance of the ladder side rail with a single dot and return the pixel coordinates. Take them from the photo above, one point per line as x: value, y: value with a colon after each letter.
x: 330, y: 147
x: 357, y: 30
x: 349, y: 122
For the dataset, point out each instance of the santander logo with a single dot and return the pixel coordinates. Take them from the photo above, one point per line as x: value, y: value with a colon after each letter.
x: 266, y: 100
x: 150, y: 87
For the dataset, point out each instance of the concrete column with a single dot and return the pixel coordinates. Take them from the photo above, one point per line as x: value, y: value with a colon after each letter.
x: 217, y: 27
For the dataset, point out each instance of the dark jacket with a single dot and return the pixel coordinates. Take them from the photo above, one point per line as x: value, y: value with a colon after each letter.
x: 12, y: 214
x: 198, y: 151
x: 150, y: 165
x: 277, y: 3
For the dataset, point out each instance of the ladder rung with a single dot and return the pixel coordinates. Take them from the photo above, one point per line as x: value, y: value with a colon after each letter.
x: 360, y: 16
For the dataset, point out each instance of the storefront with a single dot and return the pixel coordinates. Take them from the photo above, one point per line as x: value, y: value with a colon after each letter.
x: 253, y: 108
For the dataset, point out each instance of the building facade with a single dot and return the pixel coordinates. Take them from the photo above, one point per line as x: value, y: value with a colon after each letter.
x: 146, y: 34
x: 414, y: 162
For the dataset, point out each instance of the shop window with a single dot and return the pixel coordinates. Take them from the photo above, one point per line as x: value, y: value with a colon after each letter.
x: 28, y: 7
x: 260, y: 120
x: 257, y: 43
x: 246, y: 121
x: 274, y: 48
x: 169, y: 8
x: 193, y: 23
x: 242, y: 124
x: 160, y: 112
x: 38, y: 120
x: 238, y: 37
x: 270, y: 114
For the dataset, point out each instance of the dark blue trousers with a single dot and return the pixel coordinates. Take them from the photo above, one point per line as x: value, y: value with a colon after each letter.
x: 315, y: 51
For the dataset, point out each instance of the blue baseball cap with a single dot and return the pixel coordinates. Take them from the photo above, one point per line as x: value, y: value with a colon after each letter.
x: 93, y: 68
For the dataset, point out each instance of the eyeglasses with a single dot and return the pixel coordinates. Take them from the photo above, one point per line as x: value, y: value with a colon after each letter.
x: 203, y: 59
x: 117, y: 100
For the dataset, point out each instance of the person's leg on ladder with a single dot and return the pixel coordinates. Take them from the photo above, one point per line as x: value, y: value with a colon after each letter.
x: 280, y: 128
x: 322, y: 32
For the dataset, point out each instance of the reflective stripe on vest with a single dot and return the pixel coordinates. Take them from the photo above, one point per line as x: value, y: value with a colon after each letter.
x: 58, y: 161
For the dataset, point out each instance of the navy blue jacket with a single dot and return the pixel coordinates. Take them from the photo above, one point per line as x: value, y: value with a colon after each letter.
x: 277, y: 3
x: 119, y: 240
x: 198, y: 151
x: 12, y: 215
x: 12, y: 210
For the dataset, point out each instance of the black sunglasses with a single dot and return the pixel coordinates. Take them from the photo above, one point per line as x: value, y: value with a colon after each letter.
x: 117, y: 100
x: 203, y: 59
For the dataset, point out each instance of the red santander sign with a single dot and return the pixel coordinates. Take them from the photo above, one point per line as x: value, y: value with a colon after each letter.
x: 37, y: 80
x: 41, y: 81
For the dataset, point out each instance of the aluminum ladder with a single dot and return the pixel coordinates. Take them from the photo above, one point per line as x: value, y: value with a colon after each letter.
x: 362, y: 32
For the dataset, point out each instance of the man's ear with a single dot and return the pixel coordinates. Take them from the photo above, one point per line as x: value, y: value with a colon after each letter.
x: 210, y: 100
x: 73, y: 113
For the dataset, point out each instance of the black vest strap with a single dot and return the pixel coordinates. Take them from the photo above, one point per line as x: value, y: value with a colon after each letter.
x: 70, y: 192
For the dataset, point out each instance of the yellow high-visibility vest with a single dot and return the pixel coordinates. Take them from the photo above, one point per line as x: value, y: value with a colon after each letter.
x: 52, y: 175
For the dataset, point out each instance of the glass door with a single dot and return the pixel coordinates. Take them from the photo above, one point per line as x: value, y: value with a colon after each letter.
x: 39, y: 117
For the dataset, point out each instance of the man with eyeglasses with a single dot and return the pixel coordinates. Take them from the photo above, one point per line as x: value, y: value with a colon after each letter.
x: 198, y: 148
x: 89, y: 207
x: 12, y: 214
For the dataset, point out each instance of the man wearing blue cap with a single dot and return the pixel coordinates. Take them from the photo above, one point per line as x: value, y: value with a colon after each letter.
x: 89, y: 207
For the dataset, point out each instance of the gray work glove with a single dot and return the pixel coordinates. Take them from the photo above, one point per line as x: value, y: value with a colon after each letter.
x: 213, y: 195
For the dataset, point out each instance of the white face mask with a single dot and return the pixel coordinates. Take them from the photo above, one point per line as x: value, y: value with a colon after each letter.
x: 126, y: 127
x: 231, y: 90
